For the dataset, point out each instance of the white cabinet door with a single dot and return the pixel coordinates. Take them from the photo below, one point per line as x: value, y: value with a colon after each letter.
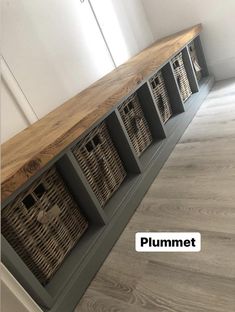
x: 54, y: 49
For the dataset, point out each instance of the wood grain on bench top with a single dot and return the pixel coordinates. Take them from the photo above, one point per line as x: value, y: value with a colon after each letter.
x: 30, y: 150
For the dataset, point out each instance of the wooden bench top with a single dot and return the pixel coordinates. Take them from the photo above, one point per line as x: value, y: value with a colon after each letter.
x: 30, y: 150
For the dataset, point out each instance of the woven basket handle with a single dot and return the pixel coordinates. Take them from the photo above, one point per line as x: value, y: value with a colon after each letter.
x: 137, y: 120
x: 46, y: 217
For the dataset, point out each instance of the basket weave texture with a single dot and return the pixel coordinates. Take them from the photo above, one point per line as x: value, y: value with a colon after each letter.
x: 161, y: 96
x: 43, y: 224
x: 100, y: 163
x: 181, y: 76
x: 135, y: 123
x: 194, y: 58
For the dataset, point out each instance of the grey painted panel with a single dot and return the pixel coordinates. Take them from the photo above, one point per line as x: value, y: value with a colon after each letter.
x: 116, y: 201
x: 151, y: 112
x: 122, y: 142
x: 190, y: 71
x: 80, y: 188
x: 172, y: 89
x: 148, y: 156
x: 172, y: 124
x: 194, y: 96
x: 201, y: 56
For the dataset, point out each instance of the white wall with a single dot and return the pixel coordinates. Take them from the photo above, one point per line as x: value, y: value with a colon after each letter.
x: 125, y: 27
x: 12, y: 118
x: 218, y: 19
x: 16, y: 112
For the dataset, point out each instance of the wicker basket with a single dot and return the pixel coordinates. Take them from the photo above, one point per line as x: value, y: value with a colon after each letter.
x: 135, y: 124
x: 43, y: 224
x: 181, y: 76
x: 161, y: 96
x: 100, y: 162
x: 196, y: 66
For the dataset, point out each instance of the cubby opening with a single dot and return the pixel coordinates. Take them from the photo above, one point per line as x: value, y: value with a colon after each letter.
x: 198, y: 59
x: 100, y: 162
x: 135, y: 123
x: 181, y: 76
x: 194, y: 58
x: 43, y: 224
x: 160, y: 96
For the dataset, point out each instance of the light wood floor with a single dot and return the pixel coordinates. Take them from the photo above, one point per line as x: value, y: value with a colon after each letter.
x: 195, y: 191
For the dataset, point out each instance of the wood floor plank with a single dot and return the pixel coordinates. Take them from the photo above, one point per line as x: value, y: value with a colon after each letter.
x: 99, y: 302
x: 216, y: 257
x: 195, y: 191
x: 210, y: 215
x: 187, y: 290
